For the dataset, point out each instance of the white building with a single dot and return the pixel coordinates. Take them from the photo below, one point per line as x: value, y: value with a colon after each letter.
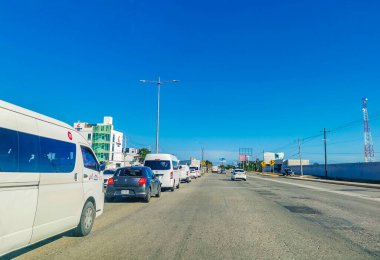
x: 105, y: 141
x: 269, y: 156
x: 131, y: 157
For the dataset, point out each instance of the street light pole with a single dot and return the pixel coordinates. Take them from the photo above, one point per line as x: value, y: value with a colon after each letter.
x: 158, y: 112
x: 158, y: 83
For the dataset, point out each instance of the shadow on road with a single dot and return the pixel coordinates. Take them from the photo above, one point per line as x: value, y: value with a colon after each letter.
x: 25, y: 250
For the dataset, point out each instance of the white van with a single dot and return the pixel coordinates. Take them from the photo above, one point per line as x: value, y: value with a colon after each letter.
x: 184, y: 171
x: 166, y: 167
x: 50, y: 179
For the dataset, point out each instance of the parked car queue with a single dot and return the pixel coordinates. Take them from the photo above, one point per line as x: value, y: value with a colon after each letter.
x: 159, y: 172
x: 51, y: 181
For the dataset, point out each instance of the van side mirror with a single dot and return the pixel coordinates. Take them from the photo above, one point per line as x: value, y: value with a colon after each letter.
x: 102, y: 166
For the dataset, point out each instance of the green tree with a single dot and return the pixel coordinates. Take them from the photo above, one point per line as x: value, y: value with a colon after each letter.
x: 142, y: 154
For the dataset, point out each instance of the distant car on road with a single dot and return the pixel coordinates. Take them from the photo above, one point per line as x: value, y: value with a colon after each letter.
x: 238, y: 174
x: 223, y: 171
x: 133, y: 182
x: 215, y: 169
x: 288, y: 172
x: 184, y: 171
x: 195, y: 171
x: 106, y: 175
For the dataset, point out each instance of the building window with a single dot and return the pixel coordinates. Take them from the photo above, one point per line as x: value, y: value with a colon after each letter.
x: 89, y: 137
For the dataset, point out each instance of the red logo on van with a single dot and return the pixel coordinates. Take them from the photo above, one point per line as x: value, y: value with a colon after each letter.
x: 69, y: 135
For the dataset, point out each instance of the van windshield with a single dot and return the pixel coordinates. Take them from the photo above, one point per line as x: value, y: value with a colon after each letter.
x: 158, y: 165
x: 194, y: 168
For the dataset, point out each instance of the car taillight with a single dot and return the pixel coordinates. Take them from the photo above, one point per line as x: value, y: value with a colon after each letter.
x: 110, y: 181
x: 171, y: 175
x: 187, y: 173
x: 142, y: 181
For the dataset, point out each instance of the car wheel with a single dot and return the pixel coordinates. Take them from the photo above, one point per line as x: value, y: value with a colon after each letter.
x: 172, y: 188
x: 86, y: 220
x: 179, y: 183
x: 188, y: 180
x: 158, y: 192
x: 147, y: 197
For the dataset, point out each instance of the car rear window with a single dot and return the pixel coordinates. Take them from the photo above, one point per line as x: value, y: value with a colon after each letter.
x: 194, y: 168
x: 158, y: 165
x: 130, y: 172
x: 239, y: 171
x: 107, y: 172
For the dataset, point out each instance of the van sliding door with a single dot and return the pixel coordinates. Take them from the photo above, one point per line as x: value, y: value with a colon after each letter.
x: 60, y: 198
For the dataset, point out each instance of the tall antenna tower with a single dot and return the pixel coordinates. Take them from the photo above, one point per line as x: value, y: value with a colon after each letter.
x: 369, y: 153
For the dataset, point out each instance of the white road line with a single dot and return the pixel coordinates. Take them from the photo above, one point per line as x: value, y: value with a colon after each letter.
x: 361, y: 196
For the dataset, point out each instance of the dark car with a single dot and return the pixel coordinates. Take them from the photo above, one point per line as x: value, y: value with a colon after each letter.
x: 288, y: 172
x: 133, y: 182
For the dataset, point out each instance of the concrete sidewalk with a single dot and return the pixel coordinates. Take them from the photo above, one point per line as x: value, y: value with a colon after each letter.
x: 316, y: 179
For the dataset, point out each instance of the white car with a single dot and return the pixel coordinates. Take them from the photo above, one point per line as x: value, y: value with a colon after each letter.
x: 195, y: 171
x: 166, y: 168
x: 50, y: 179
x: 238, y: 174
x: 185, y: 173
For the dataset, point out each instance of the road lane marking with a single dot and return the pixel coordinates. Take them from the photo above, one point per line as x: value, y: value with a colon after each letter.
x: 361, y: 196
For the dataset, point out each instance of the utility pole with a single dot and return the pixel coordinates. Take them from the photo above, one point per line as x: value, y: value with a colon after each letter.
x: 202, y: 160
x: 125, y: 149
x: 325, y: 142
x: 369, y: 153
x: 300, y: 155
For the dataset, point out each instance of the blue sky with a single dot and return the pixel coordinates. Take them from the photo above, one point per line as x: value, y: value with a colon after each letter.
x: 256, y: 74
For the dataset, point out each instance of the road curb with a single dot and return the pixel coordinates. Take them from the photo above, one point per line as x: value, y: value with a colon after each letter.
x: 347, y: 183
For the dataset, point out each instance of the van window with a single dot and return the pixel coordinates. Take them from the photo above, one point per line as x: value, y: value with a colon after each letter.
x: 28, y: 152
x: 8, y: 150
x: 175, y: 165
x: 22, y: 152
x: 89, y: 160
x: 158, y: 165
x: 57, y: 156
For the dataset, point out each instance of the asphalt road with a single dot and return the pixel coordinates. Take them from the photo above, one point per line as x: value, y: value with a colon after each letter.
x: 215, y: 218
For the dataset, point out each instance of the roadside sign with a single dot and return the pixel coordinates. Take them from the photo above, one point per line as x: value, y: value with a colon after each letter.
x: 272, y: 162
x: 203, y: 163
x: 263, y: 164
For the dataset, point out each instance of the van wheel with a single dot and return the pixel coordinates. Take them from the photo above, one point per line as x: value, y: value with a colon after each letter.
x: 147, y: 197
x: 179, y: 183
x: 86, y: 220
x: 172, y: 188
x: 158, y: 192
